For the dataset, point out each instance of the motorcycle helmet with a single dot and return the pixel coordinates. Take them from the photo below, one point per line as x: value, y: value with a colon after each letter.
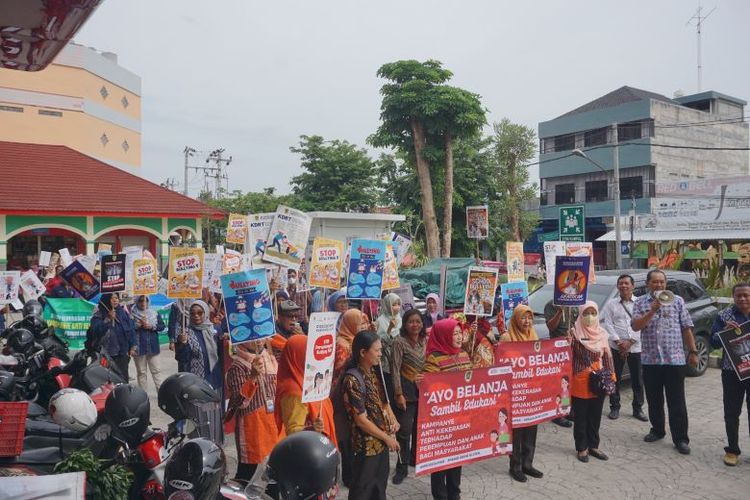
x: 7, y: 384
x: 21, y: 341
x: 186, y: 396
x: 127, y: 410
x: 304, y: 465
x: 32, y: 308
x: 72, y: 409
x: 36, y: 325
x: 195, y: 471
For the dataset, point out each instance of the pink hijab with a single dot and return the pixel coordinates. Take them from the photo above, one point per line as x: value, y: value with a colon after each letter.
x: 594, y: 338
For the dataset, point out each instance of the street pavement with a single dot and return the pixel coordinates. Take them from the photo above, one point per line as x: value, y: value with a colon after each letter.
x: 635, y: 469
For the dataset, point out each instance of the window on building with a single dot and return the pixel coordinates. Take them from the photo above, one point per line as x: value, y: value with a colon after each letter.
x: 547, y: 145
x: 565, y: 142
x: 635, y: 130
x: 630, y: 187
x: 595, y: 137
x: 104, y: 139
x: 125, y: 102
x: 125, y: 146
x: 104, y: 92
x: 14, y: 109
x: 596, y: 191
x: 49, y: 112
x: 565, y: 193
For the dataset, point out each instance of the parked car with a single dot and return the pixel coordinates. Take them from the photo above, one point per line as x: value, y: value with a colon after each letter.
x: 686, y: 285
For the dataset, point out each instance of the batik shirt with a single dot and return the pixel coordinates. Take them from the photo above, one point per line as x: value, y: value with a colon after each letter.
x: 661, y: 338
x: 369, y: 401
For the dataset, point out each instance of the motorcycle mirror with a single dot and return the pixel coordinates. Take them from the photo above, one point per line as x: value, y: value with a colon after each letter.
x: 185, y: 426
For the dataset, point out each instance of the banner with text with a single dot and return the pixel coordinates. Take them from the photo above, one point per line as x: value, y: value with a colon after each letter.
x: 321, y: 351
x: 736, y: 344
x: 247, y: 300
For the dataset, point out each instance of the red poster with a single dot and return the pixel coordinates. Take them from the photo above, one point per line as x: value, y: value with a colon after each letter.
x: 541, y: 379
x: 463, y: 418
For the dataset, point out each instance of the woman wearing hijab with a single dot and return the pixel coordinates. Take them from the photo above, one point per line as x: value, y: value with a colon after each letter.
x: 251, y: 383
x: 431, y: 315
x: 444, y: 354
x: 388, y: 327
x: 291, y: 414
x: 521, y: 329
x: 337, y: 302
x: 198, y: 346
x: 590, y: 352
x: 112, y: 325
x: 148, y: 324
x: 406, y: 371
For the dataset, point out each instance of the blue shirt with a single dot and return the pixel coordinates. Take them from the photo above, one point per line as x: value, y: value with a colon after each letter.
x: 720, y: 323
x: 661, y: 338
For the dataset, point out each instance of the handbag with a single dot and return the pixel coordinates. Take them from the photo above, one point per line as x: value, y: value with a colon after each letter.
x: 600, y: 381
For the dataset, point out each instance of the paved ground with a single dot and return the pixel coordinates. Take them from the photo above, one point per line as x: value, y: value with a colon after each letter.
x: 635, y: 470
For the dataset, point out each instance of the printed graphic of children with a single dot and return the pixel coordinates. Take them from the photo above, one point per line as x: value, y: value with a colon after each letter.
x: 503, y: 427
x: 558, y: 405
x: 493, y: 441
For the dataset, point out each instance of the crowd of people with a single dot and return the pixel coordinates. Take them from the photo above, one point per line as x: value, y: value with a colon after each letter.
x: 382, y: 354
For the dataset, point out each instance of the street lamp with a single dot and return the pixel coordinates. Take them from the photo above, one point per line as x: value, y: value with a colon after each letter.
x: 616, y: 196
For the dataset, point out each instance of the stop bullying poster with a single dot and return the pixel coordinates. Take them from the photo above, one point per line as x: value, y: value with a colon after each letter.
x: 541, y: 379
x: 321, y: 351
x: 463, y: 417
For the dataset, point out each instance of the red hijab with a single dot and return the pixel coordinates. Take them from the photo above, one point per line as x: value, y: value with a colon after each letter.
x: 289, y: 383
x: 441, y: 337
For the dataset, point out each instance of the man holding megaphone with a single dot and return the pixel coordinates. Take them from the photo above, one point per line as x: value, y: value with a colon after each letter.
x: 666, y: 330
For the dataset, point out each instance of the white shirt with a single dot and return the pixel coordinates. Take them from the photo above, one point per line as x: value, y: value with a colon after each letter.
x: 616, y: 321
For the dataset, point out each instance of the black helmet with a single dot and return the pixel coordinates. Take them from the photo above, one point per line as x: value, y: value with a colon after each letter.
x: 185, y: 395
x: 127, y: 410
x: 32, y: 308
x: 304, y: 465
x: 195, y: 471
x: 36, y: 325
x: 21, y: 341
x: 7, y: 383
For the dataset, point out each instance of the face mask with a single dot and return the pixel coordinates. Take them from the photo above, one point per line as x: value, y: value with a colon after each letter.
x: 292, y: 281
x: 589, y: 319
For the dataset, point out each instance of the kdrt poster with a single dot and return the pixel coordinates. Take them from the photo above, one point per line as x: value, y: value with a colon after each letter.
x: 287, y: 238
x: 481, y: 284
x: 9, y: 283
x: 541, y: 379
x: 321, y: 351
x: 463, y: 417
x: 736, y: 344
x: 571, y: 280
x: 513, y: 294
x: 185, y: 274
x: 113, y: 273
x: 365, y: 273
x: 81, y: 280
x: 247, y: 300
x: 327, y: 258
x: 237, y: 229
x: 257, y: 234
x: 514, y: 258
x: 145, y: 277
x: 213, y: 268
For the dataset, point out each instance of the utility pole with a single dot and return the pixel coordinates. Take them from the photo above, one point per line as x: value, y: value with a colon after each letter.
x: 188, y: 153
x: 616, y: 196
x: 218, y: 173
x: 698, y: 18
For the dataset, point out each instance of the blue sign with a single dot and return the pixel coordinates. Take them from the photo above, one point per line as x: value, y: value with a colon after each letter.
x: 365, y: 273
x: 571, y: 280
x: 513, y: 294
x: 247, y: 300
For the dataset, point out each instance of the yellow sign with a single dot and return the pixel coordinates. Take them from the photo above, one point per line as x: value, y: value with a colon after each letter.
x: 514, y: 258
x: 237, y: 229
x: 185, y: 273
x: 390, y: 271
x: 327, y: 259
x: 145, y: 277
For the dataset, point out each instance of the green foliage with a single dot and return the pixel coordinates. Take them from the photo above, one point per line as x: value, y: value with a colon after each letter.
x: 338, y: 176
x: 111, y: 482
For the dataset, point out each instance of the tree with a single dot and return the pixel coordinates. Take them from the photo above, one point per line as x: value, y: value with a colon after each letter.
x: 404, y: 112
x: 338, y: 176
x: 513, y: 147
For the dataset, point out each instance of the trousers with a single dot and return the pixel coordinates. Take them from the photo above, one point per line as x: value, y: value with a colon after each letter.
x: 633, y: 361
x: 669, y: 381
x: 150, y: 362
x: 446, y: 484
x: 524, y: 446
x: 736, y: 392
x: 586, y: 421
x: 369, y: 477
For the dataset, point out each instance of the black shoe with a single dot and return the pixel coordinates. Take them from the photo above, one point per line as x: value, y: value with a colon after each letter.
x: 652, y: 436
x: 531, y: 471
x: 399, y: 477
x: 614, y: 414
x: 518, y: 475
x: 582, y: 458
x: 562, y: 422
x: 640, y: 415
x: 683, y: 447
x: 598, y: 454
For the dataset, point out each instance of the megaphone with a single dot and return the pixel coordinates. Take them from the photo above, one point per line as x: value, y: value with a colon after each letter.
x: 665, y: 297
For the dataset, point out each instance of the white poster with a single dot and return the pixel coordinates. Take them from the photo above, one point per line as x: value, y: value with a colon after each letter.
x: 321, y: 351
x: 288, y: 237
x: 31, y: 285
x: 9, y: 282
x: 88, y: 261
x: 213, y: 265
x: 582, y: 249
x: 65, y: 257
x: 552, y: 249
x: 132, y: 254
x: 258, y: 226
x: 44, y: 258
x: 401, y: 245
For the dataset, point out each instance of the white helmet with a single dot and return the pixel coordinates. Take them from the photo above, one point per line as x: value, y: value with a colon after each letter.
x: 73, y: 409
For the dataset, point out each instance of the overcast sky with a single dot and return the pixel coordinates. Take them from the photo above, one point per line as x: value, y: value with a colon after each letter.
x: 252, y: 76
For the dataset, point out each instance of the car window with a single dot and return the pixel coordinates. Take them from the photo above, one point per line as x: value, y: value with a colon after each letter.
x: 539, y: 299
x: 691, y: 291
x: 640, y: 291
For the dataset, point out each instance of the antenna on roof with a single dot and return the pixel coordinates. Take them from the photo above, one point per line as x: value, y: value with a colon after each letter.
x: 698, y: 18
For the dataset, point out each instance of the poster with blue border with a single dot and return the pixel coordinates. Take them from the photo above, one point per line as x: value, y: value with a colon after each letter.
x: 571, y: 280
x: 81, y: 280
x: 513, y: 294
x: 247, y: 301
x: 365, y: 272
